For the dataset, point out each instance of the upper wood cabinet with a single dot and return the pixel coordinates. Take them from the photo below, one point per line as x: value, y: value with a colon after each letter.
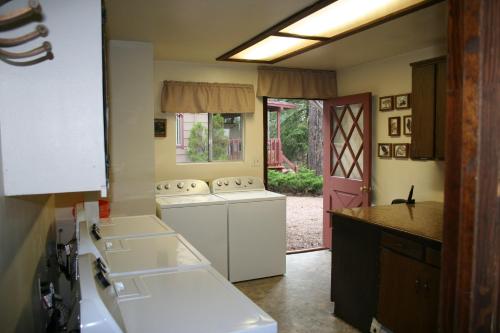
x: 428, y: 109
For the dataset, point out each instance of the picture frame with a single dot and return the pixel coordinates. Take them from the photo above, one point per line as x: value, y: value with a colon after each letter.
x: 384, y: 150
x: 160, y: 128
x: 394, y: 126
x: 407, y: 124
x: 401, y: 150
x: 386, y: 103
x: 402, y: 101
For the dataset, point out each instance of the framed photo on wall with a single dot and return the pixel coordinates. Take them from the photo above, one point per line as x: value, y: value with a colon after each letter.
x: 384, y: 150
x: 402, y: 101
x: 401, y: 150
x: 407, y: 125
x: 160, y: 128
x: 386, y: 103
x: 394, y: 125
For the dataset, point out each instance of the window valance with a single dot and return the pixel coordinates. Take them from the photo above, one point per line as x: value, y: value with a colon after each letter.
x: 201, y: 97
x: 296, y: 83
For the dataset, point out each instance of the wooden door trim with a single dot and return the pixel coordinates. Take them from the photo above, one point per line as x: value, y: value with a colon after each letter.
x: 470, y: 281
x: 264, y: 140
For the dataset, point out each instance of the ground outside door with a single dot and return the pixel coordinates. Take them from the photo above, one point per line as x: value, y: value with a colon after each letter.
x: 347, y: 156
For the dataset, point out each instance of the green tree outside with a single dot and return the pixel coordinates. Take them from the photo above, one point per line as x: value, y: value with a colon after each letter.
x: 198, y: 141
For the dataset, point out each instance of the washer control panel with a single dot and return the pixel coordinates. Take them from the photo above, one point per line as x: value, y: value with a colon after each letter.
x: 235, y: 184
x: 182, y: 187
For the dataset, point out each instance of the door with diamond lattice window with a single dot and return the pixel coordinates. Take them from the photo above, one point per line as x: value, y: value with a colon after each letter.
x: 347, y: 155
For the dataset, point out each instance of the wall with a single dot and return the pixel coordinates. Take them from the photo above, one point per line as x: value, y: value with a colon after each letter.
x: 166, y: 167
x: 26, y: 229
x: 391, y: 76
x: 131, y: 128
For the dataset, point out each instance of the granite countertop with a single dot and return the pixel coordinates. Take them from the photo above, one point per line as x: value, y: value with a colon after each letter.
x: 423, y: 219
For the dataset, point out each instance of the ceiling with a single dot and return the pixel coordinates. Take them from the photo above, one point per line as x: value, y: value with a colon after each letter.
x: 202, y: 30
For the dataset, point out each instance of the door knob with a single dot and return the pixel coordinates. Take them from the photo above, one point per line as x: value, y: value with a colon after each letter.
x: 365, y: 189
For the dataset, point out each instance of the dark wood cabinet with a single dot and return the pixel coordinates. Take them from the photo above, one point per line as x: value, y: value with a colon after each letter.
x: 408, y: 294
x: 428, y: 109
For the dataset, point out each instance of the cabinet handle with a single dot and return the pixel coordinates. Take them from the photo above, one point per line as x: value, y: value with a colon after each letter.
x: 426, y: 286
x: 417, y: 285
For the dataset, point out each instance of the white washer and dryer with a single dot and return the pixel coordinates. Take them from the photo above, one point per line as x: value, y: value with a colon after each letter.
x: 195, y: 301
x: 137, y: 244
x: 256, y: 227
x: 190, y: 209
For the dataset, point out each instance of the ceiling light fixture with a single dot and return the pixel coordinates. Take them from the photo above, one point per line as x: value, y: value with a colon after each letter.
x: 321, y: 23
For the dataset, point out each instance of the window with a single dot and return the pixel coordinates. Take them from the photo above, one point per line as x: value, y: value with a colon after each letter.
x: 209, y: 137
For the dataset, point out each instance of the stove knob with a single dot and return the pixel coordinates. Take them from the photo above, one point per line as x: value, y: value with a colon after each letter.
x: 250, y: 181
x: 238, y: 181
x: 158, y: 187
x: 226, y: 182
x: 167, y: 186
x: 180, y: 185
x: 193, y: 185
x: 219, y: 183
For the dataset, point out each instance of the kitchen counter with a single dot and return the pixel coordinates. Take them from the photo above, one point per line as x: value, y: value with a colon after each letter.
x: 422, y: 219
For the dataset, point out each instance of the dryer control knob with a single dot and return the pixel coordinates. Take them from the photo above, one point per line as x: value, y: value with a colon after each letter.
x: 226, y: 182
x: 167, y: 186
x: 238, y: 181
x: 219, y: 183
x: 158, y: 187
x: 250, y: 181
x: 193, y: 185
x: 180, y: 185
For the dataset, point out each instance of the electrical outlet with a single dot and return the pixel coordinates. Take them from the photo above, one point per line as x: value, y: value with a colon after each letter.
x: 376, y: 327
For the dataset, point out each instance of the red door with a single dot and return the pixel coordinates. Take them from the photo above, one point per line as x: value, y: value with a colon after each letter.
x: 347, y: 155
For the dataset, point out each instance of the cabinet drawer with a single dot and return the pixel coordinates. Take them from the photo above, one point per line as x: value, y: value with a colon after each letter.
x: 403, y: 246
x: 433, y: 257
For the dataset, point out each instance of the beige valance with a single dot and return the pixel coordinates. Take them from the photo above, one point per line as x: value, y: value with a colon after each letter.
x: 296, y: 83
x: 201, y: 97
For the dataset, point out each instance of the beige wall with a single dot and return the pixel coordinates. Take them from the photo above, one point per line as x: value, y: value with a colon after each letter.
x: 131, y: 128
x: 26, y: 229
x: 166, y: 167
x: 392, y: 178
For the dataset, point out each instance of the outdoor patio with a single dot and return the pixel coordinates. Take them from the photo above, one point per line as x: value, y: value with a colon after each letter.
x: 304, y: 222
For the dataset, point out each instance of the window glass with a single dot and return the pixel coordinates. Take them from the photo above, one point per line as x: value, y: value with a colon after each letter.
x: 209, y: 137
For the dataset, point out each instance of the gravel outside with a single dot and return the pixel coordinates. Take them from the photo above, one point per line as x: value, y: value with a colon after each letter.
x: 304, y: 221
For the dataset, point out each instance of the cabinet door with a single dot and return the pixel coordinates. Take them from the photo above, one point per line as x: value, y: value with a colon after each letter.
x: 430, y: 299
x: 399, y: 293
x: 423, y: 99
x: 440, y: 108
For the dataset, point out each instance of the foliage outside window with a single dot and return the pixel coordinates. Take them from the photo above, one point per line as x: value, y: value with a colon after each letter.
x: 211, y: 137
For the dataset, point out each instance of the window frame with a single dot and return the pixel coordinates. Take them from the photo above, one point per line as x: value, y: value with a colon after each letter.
x: 179, y: 130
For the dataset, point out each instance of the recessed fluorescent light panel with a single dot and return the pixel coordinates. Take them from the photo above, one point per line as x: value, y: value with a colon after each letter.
x: 319, y: 24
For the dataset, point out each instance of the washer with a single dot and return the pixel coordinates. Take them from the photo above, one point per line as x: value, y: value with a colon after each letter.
x: 188, y: 206
x: 137, y: 253
x: 196, y: 301
x: 256, y: 227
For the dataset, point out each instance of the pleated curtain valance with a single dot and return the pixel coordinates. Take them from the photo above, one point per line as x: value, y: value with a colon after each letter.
x: 201, y: 97
x: 296, y: 83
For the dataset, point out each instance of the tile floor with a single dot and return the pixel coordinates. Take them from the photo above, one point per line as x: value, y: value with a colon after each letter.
x: 300, y: 300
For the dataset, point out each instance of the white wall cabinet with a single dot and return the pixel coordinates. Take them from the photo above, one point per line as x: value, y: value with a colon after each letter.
x: 51, y: 113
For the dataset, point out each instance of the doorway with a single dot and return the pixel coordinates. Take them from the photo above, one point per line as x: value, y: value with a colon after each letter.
x: 295, y: 167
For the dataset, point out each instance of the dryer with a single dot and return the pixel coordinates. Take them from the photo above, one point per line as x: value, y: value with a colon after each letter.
x: 256, y: 227
x: 188, y: 207
x: 196, y: 301
x: 136, y: 253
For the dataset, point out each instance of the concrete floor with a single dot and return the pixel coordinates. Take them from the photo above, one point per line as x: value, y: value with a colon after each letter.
x: 300, y: 300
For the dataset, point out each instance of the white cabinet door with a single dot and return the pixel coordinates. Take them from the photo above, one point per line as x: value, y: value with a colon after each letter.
x: 51, y: 113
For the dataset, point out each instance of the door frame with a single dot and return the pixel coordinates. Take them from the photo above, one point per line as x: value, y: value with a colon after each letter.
x: 470, y: 275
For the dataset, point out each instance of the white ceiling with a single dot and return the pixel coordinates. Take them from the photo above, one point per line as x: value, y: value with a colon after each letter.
x: 202, y: 30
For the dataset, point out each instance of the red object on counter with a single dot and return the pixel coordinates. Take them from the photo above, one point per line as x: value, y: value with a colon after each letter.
x: 104, y: 209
